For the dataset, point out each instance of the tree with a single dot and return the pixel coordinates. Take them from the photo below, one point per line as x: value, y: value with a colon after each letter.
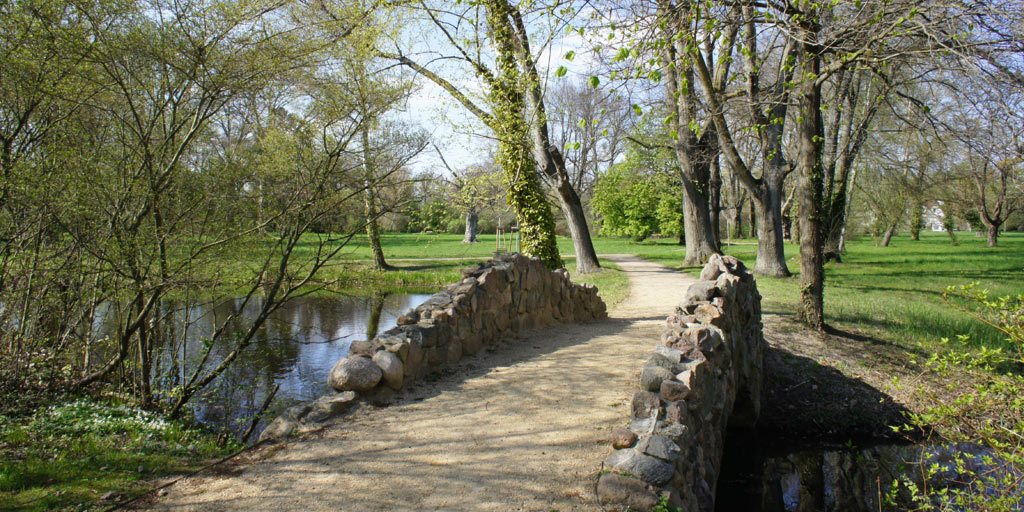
x: 515, y: 69
x: 476, y: 188
x: 695, y: 141
x: 590, y: 125
x: 170, y: 156
x: 636, y: 201
x: 989, y: 126
x: 766, y: 113
x: 831, y: 38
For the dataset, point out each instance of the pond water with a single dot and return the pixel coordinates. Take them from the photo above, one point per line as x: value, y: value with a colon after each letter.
x: 294, y: 350
x: 757, y: 478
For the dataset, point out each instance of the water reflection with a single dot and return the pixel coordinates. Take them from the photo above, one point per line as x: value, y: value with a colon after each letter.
x: 294, y: 349
x: 854, y: 479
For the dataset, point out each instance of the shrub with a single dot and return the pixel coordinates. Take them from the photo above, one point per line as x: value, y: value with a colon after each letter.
x: 981, y: 419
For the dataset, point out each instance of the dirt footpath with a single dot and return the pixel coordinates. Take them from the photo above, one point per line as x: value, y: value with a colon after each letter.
x: 522, y: 427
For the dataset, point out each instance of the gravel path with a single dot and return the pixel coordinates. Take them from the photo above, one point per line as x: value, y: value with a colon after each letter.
x: 522, y: 427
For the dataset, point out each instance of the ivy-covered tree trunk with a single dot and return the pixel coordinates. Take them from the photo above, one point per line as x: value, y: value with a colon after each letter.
x: 916, y: 221
x: 525, y: 195
x: 948, y: 224
x: 549, y: 158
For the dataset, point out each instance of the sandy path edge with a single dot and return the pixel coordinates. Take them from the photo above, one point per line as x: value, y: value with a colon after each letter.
x: 520, y: 427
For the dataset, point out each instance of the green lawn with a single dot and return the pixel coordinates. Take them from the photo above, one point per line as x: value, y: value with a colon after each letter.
x: 894, y: 291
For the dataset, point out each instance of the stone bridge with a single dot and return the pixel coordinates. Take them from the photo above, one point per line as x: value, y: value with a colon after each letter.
x: 704, y: 376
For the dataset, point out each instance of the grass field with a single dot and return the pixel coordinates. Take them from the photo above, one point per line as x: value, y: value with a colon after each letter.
x: 894, y: 291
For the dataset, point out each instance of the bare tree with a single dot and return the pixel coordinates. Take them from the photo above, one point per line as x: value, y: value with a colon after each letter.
x: 988, y: 125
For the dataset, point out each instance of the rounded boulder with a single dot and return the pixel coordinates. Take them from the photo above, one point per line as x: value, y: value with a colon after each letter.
x: 391, y: 368
x: 355, y: 374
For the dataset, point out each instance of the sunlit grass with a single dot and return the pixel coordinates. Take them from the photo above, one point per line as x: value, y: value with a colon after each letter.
x: 894, y: 292
x: 611, y: 282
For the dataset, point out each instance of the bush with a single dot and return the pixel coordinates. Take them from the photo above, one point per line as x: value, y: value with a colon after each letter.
x: 984, y: 407
x: 634, y: 204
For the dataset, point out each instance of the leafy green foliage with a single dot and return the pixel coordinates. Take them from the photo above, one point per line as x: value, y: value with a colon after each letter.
x: 636, y: 203
x: 983, y: 404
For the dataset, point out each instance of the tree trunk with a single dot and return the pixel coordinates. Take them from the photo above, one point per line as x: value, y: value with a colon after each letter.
x: 771, y: 255
x: 836, y: 223
x: 811, y: 184
x: 572, y: 208
x: 846, y: 214
x: 373, y: 232
x: 949, y: 225
x: 525, y: 194
x: 737, y: 218
x: 716, y: 199
x: 549, y: 158
x: 887, y: 237
x: 753, y: 220
x: 916, y: 221
x: 700, y: 239
x: 472, y: 219
x: 794, y: 218
x: 370, y: 206
x: 682, y: 218
x: 993, y: 235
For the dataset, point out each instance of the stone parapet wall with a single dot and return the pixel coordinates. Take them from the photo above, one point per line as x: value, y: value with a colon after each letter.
x: 704, y: 376
x: 492, y: 302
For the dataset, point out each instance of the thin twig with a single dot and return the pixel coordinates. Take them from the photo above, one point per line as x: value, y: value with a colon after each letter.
x: 256, y: 417
x: 597, y: 482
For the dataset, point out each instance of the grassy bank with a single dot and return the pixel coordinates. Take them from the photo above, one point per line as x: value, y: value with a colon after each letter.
x: 612, y: 284
x: 896, y: 291
x: 86, y: 454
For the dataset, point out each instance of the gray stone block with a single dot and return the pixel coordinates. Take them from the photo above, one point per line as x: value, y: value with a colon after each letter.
x: 651, y: 377
x: 625, y: 493
x: 354, y: 373
x: 658, y: 446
